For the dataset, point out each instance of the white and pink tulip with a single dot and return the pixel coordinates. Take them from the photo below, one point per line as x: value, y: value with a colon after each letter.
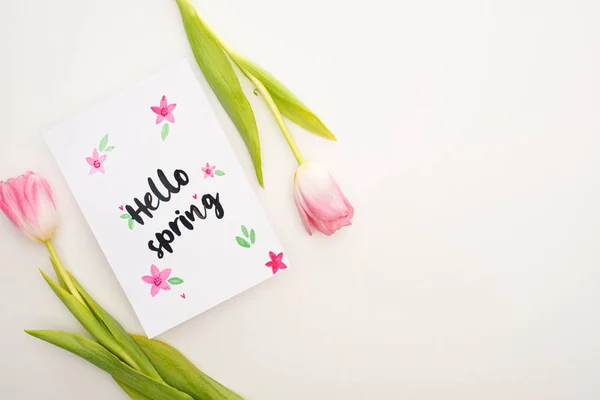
x: 27, y: 201
x: 320, y: 201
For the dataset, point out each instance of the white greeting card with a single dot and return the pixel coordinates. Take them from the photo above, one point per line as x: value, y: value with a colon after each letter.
x: 166, y: 198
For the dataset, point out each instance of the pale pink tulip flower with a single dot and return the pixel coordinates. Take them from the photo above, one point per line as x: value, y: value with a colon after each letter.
x: 27, y: 201
x: 320, y: 201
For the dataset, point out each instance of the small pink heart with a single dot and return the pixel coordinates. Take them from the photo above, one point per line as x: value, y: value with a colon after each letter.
x: 121, y: 208
x: 195, y: 196
x: 183, y: 295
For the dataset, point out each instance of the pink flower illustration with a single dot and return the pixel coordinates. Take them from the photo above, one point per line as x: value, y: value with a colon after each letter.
x: 158, y: 280
x: 276, y: 262
x: 208, y: 171
x: 96, y: 162
x: 164, y: 111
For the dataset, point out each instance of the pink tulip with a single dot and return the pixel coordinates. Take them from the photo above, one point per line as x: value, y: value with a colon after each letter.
x: 320, y: 201
x: 27, y: 201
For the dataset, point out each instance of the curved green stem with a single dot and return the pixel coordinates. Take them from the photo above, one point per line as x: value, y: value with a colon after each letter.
x: 278, y: 117
x: 63, y: 272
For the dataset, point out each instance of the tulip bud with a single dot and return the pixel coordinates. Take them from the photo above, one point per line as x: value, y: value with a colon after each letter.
x: 27, y: 201
x: 320, y: 201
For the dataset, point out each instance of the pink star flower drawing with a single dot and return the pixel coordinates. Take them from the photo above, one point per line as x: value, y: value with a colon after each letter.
x: 158, y: 280
x: 96, y: 162
x: 164, y: 111
x: 208, y: 171
x: 276, y: 263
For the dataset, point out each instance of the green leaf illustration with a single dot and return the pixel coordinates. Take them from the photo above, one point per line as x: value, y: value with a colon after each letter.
x: 175, y: 281
x: 109, y: 148
x: 125, y: 216
x: 103, y: 142
x: 218, y: 172
x: 165, y: 132
x: 242, y: 242
x: 221, y: 77
x: 252, y: 236
x: 245, y: 231
x: 130, y: 223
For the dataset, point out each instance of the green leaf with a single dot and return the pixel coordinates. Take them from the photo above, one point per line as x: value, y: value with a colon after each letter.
x: 125, y: 216
x: 218, y: 172
x: 175, y: 281
x: 105, y: 360
x: 131, y: 392
x: 103, y: 142
x: 109, y: 148
x: 87, y: 319
x: 242, y: 242
x: 287, y: 103
x: 221, y: 77
x: 181, y: 374
x: 252, y: 236
x: 245, y: 231
x: 164, y: 132
x: 129, y: 346
x: 130, y: 224
x: 56, y: 268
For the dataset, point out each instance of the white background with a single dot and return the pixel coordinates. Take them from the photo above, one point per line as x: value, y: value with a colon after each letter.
x: 468, y: 142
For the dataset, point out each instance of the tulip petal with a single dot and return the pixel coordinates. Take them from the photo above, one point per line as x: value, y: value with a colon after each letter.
x: 169, y: 117
x: 320, y: 225
x: 320, y: 193
x: 159, y: 119
x: 163, y: 102
x: 154, y: 290
x: 41, y: 210
x: 89, y: 161
x: 154, y: 271
x: 8, y: 204
x: 157, y: 110
x: 14, y: 197
x: 306, y: 220
x: 148, y: 279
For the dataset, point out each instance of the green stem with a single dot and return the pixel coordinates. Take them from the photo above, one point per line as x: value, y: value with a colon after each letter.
x: 278, y: 117
x: 63, y: 272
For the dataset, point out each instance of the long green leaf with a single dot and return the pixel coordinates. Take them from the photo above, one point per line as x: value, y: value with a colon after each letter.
x: 221, y: 77
x: 131, y: 392
x: 56, y: 268
x: 287, y: 103
x: 105, y: 360
x: 88, y: 320
x: 119, y: 333
x: 180, y: 373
